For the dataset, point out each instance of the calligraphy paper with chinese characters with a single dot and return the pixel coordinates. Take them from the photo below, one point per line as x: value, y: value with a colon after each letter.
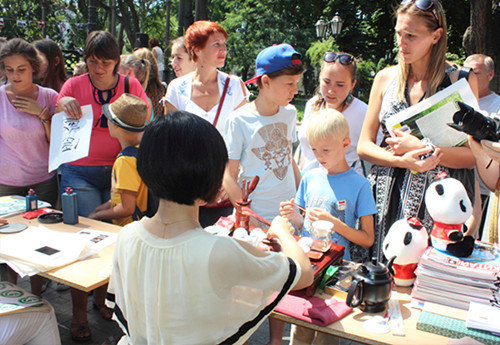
x: 70, y: 138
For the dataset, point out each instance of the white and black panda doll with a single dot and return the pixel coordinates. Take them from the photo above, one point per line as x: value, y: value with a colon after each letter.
x: 449, y: 206
x: 404, y: 243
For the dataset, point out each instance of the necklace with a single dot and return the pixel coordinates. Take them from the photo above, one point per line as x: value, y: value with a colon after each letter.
x: 177, y: 221
x: 167, y: 224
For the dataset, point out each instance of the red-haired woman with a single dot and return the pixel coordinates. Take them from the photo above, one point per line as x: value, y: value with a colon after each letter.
x: 202, y: 91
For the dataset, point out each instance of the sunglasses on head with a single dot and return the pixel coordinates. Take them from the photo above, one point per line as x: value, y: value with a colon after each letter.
x: 424, y: 5
x: 344, y: 59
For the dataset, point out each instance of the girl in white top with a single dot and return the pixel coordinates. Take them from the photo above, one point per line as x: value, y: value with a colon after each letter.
x: 201, y: 91
x: 180, y: 60
x: 173, y: 282
x: 337, y: 80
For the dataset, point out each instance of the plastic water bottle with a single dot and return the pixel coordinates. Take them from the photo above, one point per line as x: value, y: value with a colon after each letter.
x: 31, y: 201
x: 69, y: 206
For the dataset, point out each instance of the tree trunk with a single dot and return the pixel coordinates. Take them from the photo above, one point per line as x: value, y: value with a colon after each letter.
x: 481, y: 37
x: 113, y: 18
x: 494, y: 46
x: 168, y: 4
x: 92, y: 26
x: 185, y: 16
x: 181, y: 15
x: 44, y: 10
x: 200, y: 10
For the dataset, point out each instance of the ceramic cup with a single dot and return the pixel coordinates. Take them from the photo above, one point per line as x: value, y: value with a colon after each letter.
x: 322, y: 231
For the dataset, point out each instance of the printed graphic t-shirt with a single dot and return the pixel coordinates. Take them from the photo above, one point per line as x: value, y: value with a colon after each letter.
x: 263, y: 145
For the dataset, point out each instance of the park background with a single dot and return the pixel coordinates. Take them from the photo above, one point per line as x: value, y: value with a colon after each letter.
x: 367, y: 31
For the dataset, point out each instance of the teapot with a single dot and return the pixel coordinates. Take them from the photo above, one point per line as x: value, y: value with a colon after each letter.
x: 371, y: 286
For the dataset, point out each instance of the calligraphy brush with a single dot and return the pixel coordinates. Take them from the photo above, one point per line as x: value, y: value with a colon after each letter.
x: 253, y: 185
x: 243, y: 190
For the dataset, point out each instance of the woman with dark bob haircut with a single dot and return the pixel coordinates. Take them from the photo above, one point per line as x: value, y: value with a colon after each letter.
x: 90, y: 177
x: 173, y: 282
x: 195, y: 163
x: 202, y: 93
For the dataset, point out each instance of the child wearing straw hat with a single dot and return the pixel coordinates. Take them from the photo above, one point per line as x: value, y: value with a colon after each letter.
x: 129, y: 195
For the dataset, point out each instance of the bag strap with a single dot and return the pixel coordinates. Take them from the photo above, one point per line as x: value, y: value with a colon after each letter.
x: 47, y: 102
x: 221, y: 102
x: 464, y: 73
x: 126, y: 85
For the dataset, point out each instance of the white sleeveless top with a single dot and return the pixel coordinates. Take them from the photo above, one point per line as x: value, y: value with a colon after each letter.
x: 180, y: 90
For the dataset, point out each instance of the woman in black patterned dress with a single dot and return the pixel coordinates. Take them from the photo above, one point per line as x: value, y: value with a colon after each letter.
x: 400, y: 176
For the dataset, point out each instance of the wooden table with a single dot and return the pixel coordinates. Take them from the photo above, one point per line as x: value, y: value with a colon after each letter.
x: 87, y: 274
x: 351, y: 326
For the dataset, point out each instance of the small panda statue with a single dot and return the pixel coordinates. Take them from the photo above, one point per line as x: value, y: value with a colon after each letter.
x: 405, y: 241
x: 449, y: 206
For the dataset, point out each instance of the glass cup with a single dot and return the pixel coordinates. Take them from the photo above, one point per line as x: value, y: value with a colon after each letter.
x: 322, y: 231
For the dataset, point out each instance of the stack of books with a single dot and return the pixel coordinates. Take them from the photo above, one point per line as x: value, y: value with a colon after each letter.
x: 456, y: 282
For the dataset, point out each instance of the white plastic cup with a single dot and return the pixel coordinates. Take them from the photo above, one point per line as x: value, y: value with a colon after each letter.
x: 322, y: 231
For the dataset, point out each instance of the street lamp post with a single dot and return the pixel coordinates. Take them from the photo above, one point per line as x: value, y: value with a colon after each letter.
x: 326, y: 29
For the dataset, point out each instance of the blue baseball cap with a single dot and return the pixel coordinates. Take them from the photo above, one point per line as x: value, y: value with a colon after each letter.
x: 275, y: 58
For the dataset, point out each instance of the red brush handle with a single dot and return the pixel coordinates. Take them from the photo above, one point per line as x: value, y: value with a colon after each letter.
x: 253, y: 185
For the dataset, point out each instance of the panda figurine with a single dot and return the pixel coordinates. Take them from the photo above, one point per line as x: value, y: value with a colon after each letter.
x: 404, y: 243
x: 449, y: 206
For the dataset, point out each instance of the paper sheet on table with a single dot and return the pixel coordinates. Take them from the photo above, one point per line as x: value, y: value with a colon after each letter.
x: 97, y: 240
x: 70, y: 138
x: 43, y: 249
x: 21, y: 268
x: 430, y: 117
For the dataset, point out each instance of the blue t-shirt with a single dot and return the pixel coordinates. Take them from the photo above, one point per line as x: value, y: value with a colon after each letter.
x: 346, y: 196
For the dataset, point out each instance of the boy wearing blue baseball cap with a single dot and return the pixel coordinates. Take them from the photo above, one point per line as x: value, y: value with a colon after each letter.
x: 259, y: 137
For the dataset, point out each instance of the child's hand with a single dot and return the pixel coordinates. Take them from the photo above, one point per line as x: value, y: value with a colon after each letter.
x: 287, y: 209
x: 3, y: 221
x: 317, y: 213
x: 93, y: 215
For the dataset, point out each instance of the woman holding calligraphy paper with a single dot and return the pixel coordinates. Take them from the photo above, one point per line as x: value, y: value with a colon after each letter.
x: 90, y: 177
x: 403, y: 165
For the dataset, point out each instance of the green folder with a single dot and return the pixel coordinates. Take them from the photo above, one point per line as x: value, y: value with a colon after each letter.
x: 453, y: 328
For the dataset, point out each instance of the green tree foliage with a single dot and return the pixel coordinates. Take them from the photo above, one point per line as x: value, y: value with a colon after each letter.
x: 368, y: 30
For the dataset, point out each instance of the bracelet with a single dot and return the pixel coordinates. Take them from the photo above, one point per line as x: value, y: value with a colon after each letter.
x: 43, y: 109
x: 42, y: 119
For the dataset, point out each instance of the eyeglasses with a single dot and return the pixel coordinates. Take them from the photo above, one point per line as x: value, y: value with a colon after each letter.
x: 424, y: 5
x: 344, y: 59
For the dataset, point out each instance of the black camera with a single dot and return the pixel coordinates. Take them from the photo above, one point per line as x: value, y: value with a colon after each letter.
x: 475, y: 124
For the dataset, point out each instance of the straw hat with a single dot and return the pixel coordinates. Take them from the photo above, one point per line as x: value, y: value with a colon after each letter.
x: 128, y: 112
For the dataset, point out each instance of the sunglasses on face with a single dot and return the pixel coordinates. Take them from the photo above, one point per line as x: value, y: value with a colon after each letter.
x: 424, y: 5
x: 344, y: 59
